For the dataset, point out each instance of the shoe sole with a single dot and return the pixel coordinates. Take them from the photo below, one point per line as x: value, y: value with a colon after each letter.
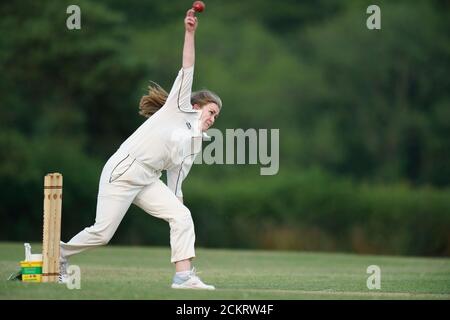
x: 178, y: 286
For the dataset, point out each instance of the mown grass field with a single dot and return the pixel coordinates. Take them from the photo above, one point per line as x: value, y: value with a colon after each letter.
x: 115, y: 272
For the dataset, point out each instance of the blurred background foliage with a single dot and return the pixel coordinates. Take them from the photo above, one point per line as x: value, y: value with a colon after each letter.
x: 364, y: 118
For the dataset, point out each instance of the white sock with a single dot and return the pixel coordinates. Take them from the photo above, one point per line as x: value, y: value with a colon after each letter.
x: 183, y: 274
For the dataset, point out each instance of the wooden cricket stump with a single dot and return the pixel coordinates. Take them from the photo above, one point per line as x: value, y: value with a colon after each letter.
x: 53, y: 183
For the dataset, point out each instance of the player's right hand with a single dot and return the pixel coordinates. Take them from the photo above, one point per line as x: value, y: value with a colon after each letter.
x: 190, y: 22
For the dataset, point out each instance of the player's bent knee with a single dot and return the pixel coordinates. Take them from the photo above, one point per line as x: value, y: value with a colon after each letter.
x: 184, y: 222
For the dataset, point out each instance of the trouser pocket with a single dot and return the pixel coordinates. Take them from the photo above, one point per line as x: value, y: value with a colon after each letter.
x: 121, y: 168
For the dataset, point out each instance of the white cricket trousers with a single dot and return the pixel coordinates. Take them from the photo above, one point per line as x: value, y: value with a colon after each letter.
x: 125, y: 181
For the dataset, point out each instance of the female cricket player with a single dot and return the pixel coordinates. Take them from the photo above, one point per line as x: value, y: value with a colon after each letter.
x: 168, y: 140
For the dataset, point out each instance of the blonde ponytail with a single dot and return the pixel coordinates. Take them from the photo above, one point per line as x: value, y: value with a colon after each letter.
x: 157, y: 97
x: 153, y: 101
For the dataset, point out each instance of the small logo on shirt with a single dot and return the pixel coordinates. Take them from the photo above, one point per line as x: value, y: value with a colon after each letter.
x: 188, y: 125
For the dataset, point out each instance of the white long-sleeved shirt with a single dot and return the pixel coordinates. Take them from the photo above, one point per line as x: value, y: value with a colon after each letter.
x: 172, y: 137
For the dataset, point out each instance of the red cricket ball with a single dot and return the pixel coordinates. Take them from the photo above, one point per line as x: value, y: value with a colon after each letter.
x: 198, y: 6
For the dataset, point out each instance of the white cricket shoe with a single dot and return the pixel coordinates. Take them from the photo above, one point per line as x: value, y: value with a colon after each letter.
x: 191, y: 281
x: 63, y: 276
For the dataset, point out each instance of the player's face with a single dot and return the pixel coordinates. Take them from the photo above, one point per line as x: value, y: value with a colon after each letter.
x: 210, y: 112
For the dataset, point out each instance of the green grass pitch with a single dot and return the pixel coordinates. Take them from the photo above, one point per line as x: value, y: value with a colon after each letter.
x: 119, y: 272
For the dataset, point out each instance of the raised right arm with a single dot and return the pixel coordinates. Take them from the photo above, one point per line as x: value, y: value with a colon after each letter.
x: 180, y: 94
x: 190, y: 23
